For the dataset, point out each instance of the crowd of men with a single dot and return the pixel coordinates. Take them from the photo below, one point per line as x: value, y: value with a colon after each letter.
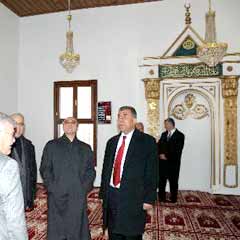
x: 134, y: 167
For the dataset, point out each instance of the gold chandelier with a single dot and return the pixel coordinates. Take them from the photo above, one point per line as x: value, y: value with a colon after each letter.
x: 69, y: 60
x: 211, y: 52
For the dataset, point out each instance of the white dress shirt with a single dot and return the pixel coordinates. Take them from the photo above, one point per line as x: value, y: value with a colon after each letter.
x: 127, y: 142
x: 172, y: 132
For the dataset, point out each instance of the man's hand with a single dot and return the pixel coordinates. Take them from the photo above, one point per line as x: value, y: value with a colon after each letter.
x: 28, y: 209
x: 162, y: 157
x: 148, y: 208
x: 105, y: 235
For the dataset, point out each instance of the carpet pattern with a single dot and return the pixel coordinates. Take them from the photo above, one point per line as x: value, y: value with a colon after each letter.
x: 196, y: 216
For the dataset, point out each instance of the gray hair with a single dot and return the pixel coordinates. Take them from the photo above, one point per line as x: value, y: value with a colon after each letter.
x: 4, y: 118
x: 17, y: 115
x: 130, y: 108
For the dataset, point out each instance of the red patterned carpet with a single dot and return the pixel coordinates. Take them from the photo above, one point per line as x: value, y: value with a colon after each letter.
x: 196, y: 216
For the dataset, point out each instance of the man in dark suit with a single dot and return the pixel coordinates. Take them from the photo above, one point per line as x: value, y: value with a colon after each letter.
x: 170, y: 148
x: 24, y: 153
x: 128, y: 186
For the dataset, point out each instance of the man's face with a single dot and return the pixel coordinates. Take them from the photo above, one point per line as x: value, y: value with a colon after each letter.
x: 7, y: 138
x: 70, y: 126
x: 126, y: 122
x: 20, y: 127
x: 168, y: 126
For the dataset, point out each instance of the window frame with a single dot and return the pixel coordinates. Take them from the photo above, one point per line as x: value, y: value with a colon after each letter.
x: 93, y: 120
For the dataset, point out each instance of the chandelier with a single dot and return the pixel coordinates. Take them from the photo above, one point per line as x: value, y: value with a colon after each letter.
x: 211, y: 52
x: 69, y: 60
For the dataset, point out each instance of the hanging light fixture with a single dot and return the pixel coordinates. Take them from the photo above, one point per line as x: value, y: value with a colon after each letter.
x: 69, y: 60
x: 211, y: 52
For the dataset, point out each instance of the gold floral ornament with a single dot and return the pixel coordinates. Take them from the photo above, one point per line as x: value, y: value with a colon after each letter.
x: 189, y: 108
x: 152, y: 94
x: 188, y: 44
x: 230, y: 93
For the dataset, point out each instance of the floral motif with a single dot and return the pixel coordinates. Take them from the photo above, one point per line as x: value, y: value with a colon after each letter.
x: 208, y: 222
x: 174, y: 219
x: 189, y: 108
x: 192, y: 198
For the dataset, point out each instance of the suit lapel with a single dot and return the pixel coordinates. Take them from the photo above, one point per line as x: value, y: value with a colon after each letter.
x: 16, y: 156
x: 113, y: 150
x: 174, y: 135
x: 131, y: 149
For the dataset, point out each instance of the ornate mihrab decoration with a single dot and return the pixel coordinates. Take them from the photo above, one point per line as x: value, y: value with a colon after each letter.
x: 189, y: 108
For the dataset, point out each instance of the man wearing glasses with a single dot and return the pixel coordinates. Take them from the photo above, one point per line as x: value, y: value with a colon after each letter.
x: 24, y: 153
x: 67, y: 169
x: 12, y: 217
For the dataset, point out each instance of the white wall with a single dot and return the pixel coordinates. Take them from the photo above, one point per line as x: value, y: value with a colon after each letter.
x: 9, y: 39
x: 111, y: 42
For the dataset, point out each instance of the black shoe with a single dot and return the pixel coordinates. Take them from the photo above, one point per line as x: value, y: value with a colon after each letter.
x: 162, y: 198
x: 173, y: 200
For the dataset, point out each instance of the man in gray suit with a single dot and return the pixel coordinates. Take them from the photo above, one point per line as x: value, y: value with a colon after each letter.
x: 12, y: 217
x: 67, y: 169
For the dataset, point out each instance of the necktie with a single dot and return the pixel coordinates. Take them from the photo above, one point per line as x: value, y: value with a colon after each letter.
x: 168, y: 136
x: 117, y: 164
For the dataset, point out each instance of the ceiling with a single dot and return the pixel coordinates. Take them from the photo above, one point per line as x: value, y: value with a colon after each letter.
x: 34, y: 7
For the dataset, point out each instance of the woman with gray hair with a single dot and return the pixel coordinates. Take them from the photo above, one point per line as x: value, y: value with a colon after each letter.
x: 12, y: 217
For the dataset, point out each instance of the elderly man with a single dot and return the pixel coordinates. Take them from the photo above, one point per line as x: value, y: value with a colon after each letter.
x: 129, y: 180
x: 24, y: 153
x: 67, y: 169
x: 12, y: 217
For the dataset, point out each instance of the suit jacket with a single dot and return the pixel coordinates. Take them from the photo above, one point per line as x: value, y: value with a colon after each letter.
x: 12, y: 216
x: 138, y: 183
x: 28, y: 169
x: 172, y: 148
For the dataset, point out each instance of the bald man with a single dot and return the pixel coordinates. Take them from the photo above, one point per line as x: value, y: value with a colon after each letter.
x: 139, y: 126
x: 67, y: 169
x: 23, y: 152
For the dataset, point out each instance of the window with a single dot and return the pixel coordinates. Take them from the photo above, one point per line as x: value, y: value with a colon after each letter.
x: 77, y: 99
